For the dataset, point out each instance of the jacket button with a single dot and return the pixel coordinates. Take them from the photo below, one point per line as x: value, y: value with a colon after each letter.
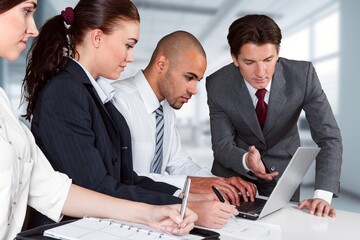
x: 114, y: 161
x: 272, y: 168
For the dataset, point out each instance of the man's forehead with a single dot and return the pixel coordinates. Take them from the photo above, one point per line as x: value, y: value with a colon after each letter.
x: 256, y: 52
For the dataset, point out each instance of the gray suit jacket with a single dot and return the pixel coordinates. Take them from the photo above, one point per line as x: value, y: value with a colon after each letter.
x: 234, y: 125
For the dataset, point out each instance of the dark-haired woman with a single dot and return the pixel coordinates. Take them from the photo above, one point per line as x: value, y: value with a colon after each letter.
x: 81, y: 133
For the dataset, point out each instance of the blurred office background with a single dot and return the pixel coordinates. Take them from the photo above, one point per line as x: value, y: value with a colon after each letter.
x: 325, y: 32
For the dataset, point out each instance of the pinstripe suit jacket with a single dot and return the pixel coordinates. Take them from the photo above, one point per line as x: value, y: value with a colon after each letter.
x: 90, y: 143
x: 234, y: 125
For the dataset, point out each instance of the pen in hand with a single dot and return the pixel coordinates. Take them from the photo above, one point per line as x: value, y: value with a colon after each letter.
x: 221, y: 199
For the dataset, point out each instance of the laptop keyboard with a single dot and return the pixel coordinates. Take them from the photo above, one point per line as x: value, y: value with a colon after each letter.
x: 255, y: 206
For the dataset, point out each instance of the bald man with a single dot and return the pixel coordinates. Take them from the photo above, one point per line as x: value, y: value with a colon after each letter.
x: 170, y: 79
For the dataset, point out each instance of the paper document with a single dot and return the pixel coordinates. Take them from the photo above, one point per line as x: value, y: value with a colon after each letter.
x: 249, y: 230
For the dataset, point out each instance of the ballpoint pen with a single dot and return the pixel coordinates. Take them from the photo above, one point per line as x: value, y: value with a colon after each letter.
x: 221, y: 199
x: 186, y: 190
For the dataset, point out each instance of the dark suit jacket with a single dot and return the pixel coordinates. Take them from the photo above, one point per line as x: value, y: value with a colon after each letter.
x: 234, y: 124
x: 90, y: 142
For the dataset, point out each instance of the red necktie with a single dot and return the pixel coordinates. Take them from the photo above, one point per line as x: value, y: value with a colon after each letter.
x: 261, y: 106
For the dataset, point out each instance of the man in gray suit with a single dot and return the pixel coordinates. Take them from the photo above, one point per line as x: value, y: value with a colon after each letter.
x: 260, y: 147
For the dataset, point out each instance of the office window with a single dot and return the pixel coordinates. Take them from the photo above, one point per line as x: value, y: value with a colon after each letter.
x: 314, y: 42
x: 326, y: 56
x: 297, y: 45
x: 326, y: 36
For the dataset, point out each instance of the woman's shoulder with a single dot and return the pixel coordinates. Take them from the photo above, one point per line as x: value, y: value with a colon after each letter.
x: 64, y: 81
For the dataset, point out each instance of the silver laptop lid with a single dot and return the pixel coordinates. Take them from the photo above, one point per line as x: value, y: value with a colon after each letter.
x: 290, y: 179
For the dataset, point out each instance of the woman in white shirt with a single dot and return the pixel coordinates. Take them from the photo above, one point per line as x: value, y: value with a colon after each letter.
x: 26, y: 177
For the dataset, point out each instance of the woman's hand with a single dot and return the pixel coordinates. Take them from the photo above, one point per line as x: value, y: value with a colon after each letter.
x: 167, y: 218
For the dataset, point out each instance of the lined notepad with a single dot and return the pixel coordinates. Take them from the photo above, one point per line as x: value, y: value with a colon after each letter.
x: 103, y: 229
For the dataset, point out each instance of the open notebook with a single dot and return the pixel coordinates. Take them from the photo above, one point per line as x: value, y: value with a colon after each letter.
x: 106, y: 229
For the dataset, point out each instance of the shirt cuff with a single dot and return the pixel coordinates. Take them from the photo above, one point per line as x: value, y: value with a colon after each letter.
x: 244, y: 162
x: 177, y: 193
x: 325, y: 195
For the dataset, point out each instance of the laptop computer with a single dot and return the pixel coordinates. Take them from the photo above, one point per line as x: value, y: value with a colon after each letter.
x: 285, y: 187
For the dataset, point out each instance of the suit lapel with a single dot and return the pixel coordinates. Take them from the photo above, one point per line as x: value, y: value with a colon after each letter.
x: 244, y: 105
x: 277, y: 100
x: 78, y: 74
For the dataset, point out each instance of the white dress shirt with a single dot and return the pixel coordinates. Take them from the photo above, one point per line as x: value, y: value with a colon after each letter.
x: 26, y: 177
x: 136, y: 100
x: 325, y: 195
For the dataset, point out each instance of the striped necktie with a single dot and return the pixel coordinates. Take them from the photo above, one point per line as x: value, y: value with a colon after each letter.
x: 156, y: 163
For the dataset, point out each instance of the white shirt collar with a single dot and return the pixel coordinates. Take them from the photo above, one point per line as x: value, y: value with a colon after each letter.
x: 104, y: 89
x: 107, y: 89
x: 147, y: 94
x: 252, y: 92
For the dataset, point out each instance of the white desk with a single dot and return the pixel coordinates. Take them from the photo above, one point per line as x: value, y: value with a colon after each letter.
x: 297, y: 224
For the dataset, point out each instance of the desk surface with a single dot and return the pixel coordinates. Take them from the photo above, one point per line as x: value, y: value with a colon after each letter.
x: 297, y: 224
